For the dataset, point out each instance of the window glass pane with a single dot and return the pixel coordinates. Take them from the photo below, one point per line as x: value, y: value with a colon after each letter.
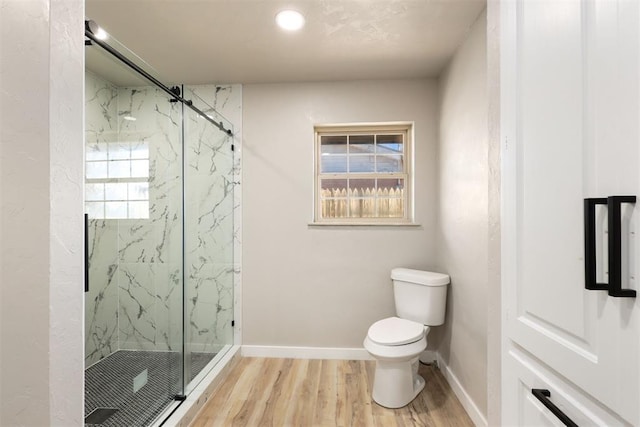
x: 389, y: 163
x: 94, y: 191
x: 361, y: 144
x: 334, y: 208
x: 361, y: 187
x: 94, y: 209
x: 119, y: 169
x: 97, y: 151
x: 334, y: 187
x: 139, y: 150
x: 96, y: 170
x: 355, y: 207
x: 116, y: 191
x: 389, y: 144
x: 390, y: 198
x: 394, y: 186
x: 390, y: 208
x: 138, y: 209
x: 333, y: 144
x: 139, y: 168
x: 119, y: 151
x: 333, y: 163
x: 363, y: 163
x: 138, y: 191
x: 115, y: 209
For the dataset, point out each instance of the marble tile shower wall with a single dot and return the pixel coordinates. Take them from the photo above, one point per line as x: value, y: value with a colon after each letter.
x: 136, y: 290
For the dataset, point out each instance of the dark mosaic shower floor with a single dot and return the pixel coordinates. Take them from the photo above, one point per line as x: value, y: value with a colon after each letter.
x: 109, y: 384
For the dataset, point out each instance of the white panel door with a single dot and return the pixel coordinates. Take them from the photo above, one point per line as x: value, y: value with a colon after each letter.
x: 570, y: 113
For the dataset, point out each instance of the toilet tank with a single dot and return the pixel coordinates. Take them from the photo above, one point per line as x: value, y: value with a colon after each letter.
x: 420, y: 296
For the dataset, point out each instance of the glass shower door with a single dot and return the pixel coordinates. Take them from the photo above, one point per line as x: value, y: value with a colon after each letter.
x: 134, y: 304
x: 209, y: 237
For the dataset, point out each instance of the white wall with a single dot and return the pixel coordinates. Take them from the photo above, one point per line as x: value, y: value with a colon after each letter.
x: 324, y: 286
x: 41, y: 72
x: 463, y: 214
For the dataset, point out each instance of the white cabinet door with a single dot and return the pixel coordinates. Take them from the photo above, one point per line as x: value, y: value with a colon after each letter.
x: 574, y: 403
x: 570, y: 114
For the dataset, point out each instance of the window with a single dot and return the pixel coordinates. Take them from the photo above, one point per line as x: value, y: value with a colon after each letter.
x: 117, y: 180
x: 363, y: 174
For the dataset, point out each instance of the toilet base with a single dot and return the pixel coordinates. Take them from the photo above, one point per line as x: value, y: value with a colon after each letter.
x: 396, y: 384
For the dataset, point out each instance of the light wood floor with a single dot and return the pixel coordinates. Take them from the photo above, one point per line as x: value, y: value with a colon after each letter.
x: 295, y: 392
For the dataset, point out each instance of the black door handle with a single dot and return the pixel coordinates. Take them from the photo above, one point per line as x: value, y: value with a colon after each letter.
x: 615, y: 246
x: 590, y: 245
x: 86, y: 252
x: 543, y: 396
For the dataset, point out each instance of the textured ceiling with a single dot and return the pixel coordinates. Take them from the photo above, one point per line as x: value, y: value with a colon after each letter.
x: 237, y: 41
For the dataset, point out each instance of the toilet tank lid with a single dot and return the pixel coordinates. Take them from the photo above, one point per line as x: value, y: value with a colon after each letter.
x: 427, y: 278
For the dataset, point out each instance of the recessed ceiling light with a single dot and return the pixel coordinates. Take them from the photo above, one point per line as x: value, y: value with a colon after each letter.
x: 130, y: 118
x: 290, y: 20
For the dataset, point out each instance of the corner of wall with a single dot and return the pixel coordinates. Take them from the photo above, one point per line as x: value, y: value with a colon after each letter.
x: 494, y: 306
x: 66, y: 321
x: 467, y: 402
x: 463, y: 220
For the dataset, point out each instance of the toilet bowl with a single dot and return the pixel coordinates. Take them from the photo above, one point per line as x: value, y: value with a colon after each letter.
x: 397, y: 342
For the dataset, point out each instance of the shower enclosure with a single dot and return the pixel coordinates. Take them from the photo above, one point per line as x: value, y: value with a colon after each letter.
x: 159, y: 220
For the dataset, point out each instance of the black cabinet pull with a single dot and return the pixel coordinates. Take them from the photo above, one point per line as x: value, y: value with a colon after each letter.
x: 615, y: 246
x: 590, y: 245
x: 86, y: 252
x: 543, y: 396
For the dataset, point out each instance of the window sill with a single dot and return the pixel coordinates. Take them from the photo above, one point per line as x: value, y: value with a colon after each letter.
x: 364, y: 224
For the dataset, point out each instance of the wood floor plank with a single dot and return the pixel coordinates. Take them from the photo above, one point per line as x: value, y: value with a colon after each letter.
x: 298, y: 374
x: 271, y: 415
x: 241, y: 391
x: 218, y: 404
x: 326, y: 402
x: 363, y: 393
x: 322, y: 393
x: 342, y: 409
x: 265, y: 385
x: 309, y: 394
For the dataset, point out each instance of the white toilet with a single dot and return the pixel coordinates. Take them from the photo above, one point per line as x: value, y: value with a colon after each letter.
x: 397, y: 342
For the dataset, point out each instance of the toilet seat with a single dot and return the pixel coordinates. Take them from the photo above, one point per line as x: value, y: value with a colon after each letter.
x: 394, y: 331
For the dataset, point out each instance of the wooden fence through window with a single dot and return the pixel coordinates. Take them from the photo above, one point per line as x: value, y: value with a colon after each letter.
x: 363, y: 203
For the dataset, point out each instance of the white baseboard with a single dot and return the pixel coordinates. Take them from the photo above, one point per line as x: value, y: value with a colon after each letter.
x: 469, y: 405
x: 305, y: 352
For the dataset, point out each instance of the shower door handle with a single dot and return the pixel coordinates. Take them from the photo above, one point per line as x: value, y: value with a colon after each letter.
x: 86, y: 252
x: 590, y: 245
x: 615, y: 246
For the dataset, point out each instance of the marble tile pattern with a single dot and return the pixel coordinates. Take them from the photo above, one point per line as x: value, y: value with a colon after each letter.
x: 135, y: 298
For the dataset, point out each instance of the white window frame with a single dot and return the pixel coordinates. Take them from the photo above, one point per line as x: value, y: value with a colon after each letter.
x: 406, y: 128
